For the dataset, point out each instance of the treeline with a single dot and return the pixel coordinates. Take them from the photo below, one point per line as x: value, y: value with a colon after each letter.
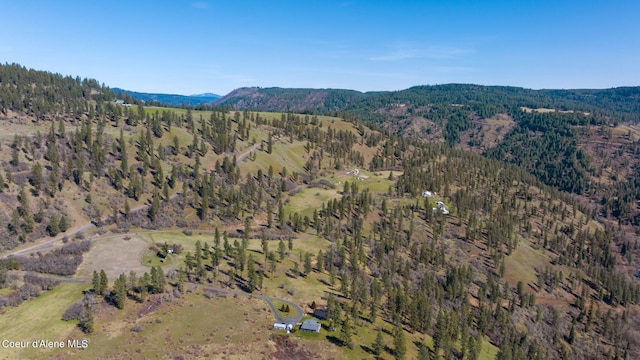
x: 617, y: 104
x: 41, y: 93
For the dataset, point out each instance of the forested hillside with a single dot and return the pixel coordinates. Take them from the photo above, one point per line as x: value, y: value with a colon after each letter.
x: 580, y: 141
x: 165, y: 99
x: 415, y: 249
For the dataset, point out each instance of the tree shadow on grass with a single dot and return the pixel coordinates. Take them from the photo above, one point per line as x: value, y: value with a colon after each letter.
x: 334, y: 340
x: 367, y: 349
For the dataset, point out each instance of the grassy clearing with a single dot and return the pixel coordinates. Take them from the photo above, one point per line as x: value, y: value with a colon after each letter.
x: 488, y: 351
x: 231, y: 327
x: 39, y: 319
x: 115, y: 255
x: 308, y: 199
x: 283, y: 155
x: 377, y: 182
x: 280, y: 305
x: 363, y: 338
x: 521, y: 264
x: 196, y: 113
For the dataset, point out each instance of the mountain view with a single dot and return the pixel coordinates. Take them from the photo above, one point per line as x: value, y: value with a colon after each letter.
x: 165, y: 99
x: 360, y: 192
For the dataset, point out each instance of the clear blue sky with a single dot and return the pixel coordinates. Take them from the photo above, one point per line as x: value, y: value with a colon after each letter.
x: 188, y: 47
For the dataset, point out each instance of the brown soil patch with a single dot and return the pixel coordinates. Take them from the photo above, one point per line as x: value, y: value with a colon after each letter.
x: 115, y: 256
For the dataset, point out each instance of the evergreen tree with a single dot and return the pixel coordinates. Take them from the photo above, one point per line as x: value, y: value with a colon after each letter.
x: 399, y: 342
x: 86, y: 324
x: 36, y: 178
x: 62, y: 224
x: 104, y: 282
x: 281, y: 249
x: 119, y: 293
x: 53, y: 227
x: 95, y: 282
x: 346, y: 332
x: 320, y: 261
x: 127, y: 208
x: 423, y: 352
x: 252, y: 275
x: 155, y: 206
x: 378, y: 344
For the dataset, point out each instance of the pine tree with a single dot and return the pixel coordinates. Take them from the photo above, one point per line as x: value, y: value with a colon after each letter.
x: 95, y: 282
x: 155, y: 206
x: 127, y: 208
x: 119, y: 293
x: 62, y: 224
x: 87, y: 321
x: 378, y: 344
x: 24, y: 207
x: 252, y: 275
x: 204, y: 206
x: 423, y: 352
x: 346, y: 333
x: 320, y: 261
x: 36, y: 178
x: 14, y: 225
x: 399, y: 342
x: 53, y: 228
x: 104, y: 282
x: 281, y: 249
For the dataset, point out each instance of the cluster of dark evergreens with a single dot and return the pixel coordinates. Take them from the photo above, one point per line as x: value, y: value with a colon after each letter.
x: 41, y: 93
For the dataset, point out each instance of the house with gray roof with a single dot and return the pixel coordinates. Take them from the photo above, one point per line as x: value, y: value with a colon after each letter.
x: 311, y: 326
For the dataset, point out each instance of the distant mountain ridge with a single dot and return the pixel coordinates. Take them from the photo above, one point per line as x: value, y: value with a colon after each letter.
x: 296, y: 100
x: 623, y: 102
x: 169, y: 99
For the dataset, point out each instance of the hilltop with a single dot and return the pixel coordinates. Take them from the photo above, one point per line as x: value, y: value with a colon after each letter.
x: 167, y: 99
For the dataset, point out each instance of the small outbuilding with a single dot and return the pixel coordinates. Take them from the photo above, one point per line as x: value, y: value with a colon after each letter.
x: 320, y: 313
x: 441, y: 207
x: 311, y: 326
x: 282, y: 326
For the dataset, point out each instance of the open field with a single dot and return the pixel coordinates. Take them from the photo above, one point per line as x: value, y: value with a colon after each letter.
x: 305, y: 201
x: 115, y: 256
x: 195, y: 326
x: 521, y: 264
x: 39, y: 319
x: 284, y: 155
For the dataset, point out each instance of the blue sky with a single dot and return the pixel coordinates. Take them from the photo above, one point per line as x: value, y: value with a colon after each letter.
x: 188, y: 47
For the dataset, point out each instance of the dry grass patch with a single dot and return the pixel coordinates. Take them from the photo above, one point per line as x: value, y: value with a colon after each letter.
x: 115, y: 255
x: 194, y: 326
x: 521, y: 264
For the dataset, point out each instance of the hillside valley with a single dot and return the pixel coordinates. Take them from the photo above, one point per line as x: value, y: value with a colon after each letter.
x: 453, y: 221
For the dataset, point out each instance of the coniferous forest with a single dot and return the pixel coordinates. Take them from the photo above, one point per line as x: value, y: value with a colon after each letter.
x: 449, y: 222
